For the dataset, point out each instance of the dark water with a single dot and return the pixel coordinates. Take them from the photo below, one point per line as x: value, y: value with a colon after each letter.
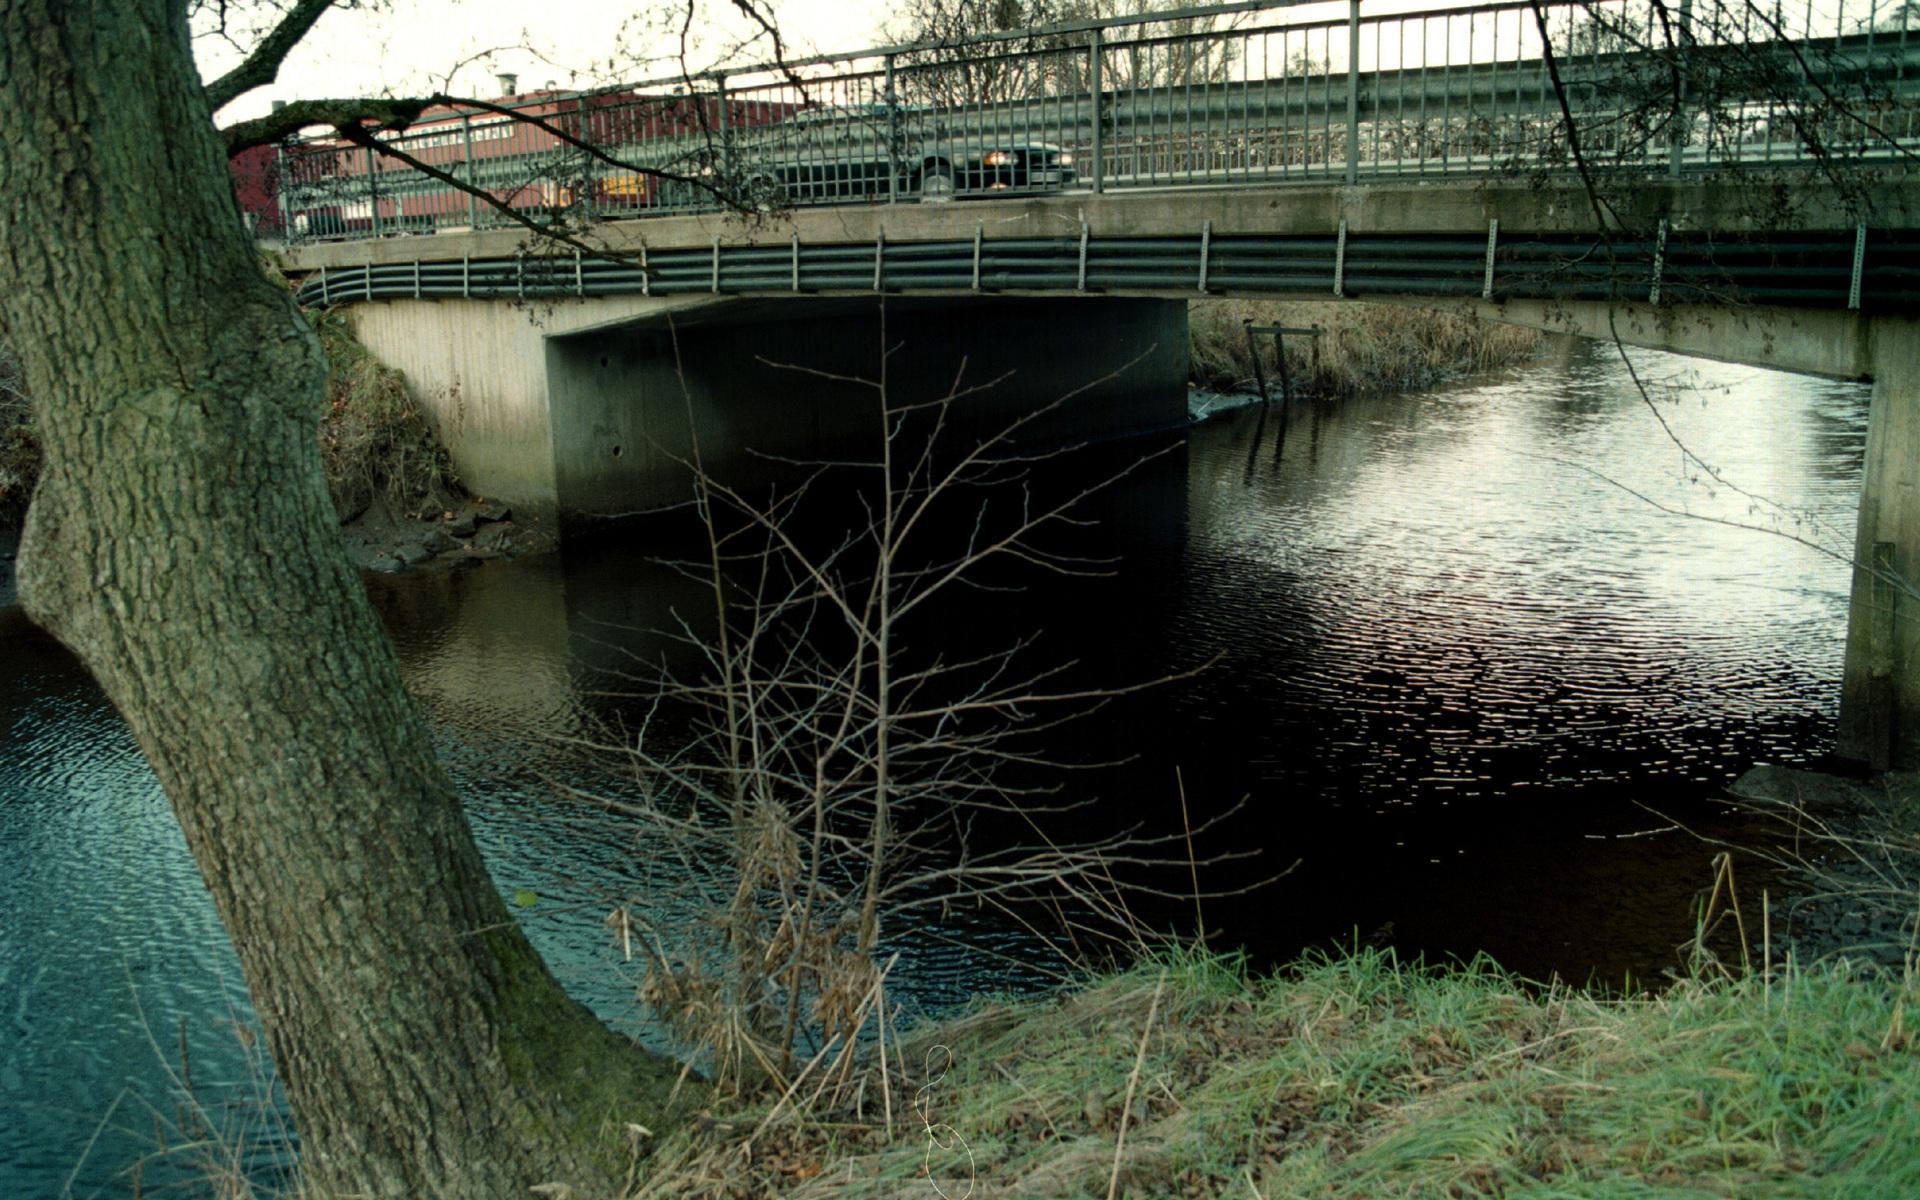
x: 1457, y: 670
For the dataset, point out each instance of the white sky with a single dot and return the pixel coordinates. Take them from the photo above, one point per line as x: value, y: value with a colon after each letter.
x: 409, y: 46
x: 412, y: 44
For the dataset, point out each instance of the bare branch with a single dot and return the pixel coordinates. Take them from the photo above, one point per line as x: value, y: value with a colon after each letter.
x: 263, y: 65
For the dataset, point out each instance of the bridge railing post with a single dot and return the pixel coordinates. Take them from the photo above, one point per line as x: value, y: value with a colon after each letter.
x: 1353, y: 91
x: 466, y: 168
x: 282, y: 179
x: 723, y: 169
x: 893, y: 139
x: 1095, y: 86
x: 373, y: 194
x: 1683, y: 41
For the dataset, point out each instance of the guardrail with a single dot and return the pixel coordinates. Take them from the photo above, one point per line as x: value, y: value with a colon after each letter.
x: 1857, y: 270
x: 1256, y: 93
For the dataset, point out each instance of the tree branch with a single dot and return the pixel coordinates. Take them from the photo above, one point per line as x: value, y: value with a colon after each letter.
x: 291, y: 119
x: 263, y: 65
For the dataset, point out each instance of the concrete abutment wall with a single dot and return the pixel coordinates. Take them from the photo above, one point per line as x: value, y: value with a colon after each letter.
x: 1880, y: 693
x: 769, y: 385
x: 577, y: 409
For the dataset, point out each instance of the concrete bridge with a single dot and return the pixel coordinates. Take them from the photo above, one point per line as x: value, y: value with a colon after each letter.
x: 567, y: 377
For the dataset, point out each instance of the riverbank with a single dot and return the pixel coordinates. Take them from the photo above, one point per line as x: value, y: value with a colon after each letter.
x: 1363, y: 349
x: 1359, y: 1075
x: 1856, y: 867
x: 400, y: 503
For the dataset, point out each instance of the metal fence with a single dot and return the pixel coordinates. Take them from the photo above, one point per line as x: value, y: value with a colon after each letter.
x: 1252, y: 93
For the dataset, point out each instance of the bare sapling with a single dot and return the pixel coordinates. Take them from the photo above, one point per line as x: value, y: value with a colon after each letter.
x: 822, y: 775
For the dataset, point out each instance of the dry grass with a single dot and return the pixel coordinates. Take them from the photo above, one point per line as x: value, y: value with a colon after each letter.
x: 1365, y: 349
x: 375, y: 443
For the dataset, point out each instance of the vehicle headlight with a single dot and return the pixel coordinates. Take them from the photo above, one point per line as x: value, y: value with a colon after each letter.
x: 1066, y: 158
x: 998, y: 158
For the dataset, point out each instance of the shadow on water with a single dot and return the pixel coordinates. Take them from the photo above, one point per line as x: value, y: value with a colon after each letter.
x: 1450, y: 664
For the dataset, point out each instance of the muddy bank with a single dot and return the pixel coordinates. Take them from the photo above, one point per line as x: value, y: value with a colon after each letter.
x: 466, y: 532
x: 1853, y: 856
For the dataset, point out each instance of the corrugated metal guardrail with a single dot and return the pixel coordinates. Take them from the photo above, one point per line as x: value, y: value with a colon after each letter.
x: 1875, y: 271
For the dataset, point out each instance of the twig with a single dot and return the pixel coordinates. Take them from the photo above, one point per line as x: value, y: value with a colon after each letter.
x: 1193, y: 866
x: 1133, y: 1081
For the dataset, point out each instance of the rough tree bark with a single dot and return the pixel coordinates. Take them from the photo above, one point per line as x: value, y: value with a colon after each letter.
x: 182, y: 544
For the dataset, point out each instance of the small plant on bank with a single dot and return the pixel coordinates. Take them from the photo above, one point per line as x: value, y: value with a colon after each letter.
x: 823, y: 773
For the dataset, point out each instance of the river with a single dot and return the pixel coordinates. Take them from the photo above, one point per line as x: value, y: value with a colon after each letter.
x: 1434, y: 645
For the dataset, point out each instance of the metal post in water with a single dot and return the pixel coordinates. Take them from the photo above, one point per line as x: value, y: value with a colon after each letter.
x: 1253, y: 353
x: 1279, y: 333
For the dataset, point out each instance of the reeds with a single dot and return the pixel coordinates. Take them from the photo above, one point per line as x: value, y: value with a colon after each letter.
x: 1364, y: 349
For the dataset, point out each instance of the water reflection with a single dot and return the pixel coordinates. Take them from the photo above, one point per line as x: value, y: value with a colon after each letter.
x: 1462, y: 661
x: 1459, y: 669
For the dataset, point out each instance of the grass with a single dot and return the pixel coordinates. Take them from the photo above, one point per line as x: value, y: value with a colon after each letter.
x: 1358, y: 1075
x: 1365, y: 348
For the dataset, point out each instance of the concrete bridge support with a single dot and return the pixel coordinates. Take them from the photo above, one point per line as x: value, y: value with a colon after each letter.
x: 582, y: 409
x: 767, y: 384
x: 1880, y: 694
x: 1880, y: 689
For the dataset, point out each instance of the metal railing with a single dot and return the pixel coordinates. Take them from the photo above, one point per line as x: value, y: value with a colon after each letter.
x: 1839, y: 270
x: 1255, y: 93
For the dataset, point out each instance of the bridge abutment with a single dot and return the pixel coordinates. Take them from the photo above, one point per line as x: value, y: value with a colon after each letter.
x: 771, y: 385
x: 1880, y: 692
x: 576, y: 410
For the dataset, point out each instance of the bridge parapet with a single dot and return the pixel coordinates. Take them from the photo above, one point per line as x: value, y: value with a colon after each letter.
x: 1243, y: 95
x: 1690, y: 243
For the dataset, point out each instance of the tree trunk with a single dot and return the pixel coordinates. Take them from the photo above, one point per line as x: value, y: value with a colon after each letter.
x: 182, y: 544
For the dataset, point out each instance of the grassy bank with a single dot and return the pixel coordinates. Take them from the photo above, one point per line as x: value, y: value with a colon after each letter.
x: 1358, y: 1076
x: 1364, y: 349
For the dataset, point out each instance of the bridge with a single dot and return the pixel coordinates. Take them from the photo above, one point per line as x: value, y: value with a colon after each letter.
x: 1717, y: 181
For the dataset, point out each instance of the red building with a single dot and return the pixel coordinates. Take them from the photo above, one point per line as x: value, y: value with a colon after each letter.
x: 256, y: 185
x: 333, y: 188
